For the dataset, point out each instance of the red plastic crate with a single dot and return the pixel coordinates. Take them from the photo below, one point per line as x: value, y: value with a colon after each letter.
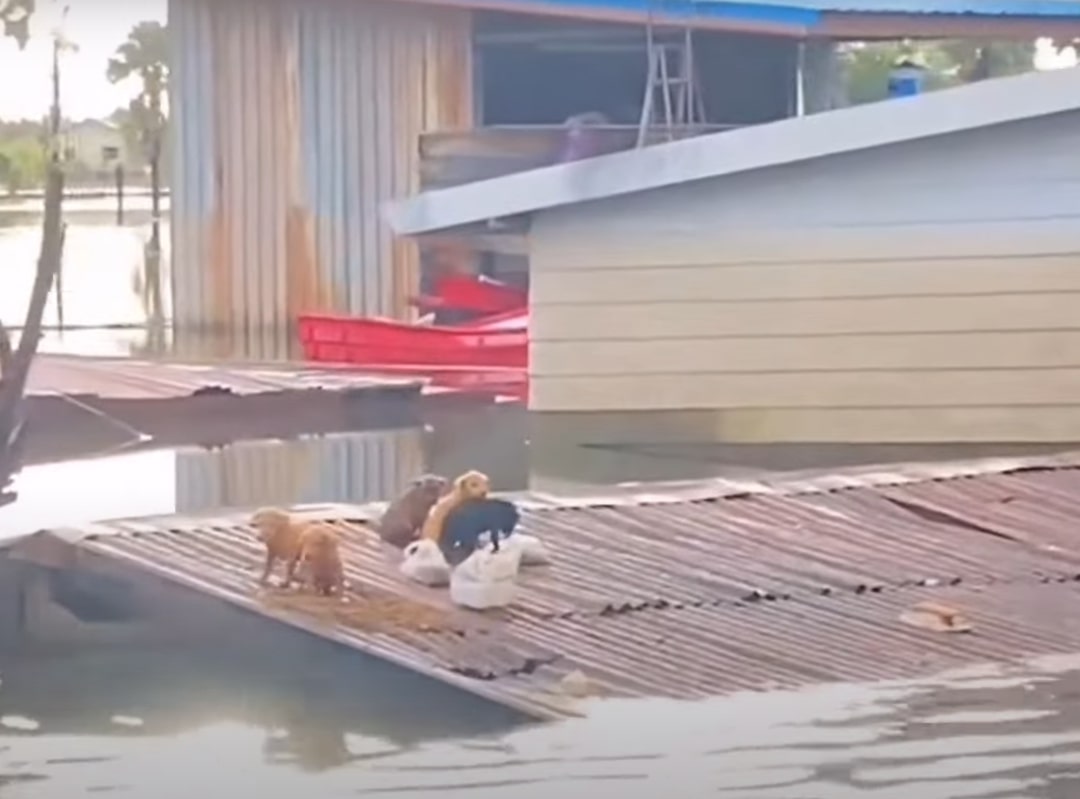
x: 381, y: 341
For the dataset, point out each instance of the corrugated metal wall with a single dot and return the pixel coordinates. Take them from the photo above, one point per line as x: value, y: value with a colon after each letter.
x: 346, y: 468
x: 294, y: 121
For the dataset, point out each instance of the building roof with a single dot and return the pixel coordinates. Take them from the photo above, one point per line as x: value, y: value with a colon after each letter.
x: 1010, y: 8
x: 842, y: 18
x: 748, y: 149
x: 688, y: 591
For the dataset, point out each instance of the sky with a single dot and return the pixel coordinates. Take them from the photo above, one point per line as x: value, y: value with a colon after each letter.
x: 97, y: 27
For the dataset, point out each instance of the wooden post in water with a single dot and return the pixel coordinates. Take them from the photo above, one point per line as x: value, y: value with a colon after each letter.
x: 119, y: 194
x: 153, y: 250
x: 60, y: 279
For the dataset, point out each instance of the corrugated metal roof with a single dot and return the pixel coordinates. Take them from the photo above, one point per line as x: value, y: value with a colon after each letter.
x: 758, y: 147
x: 748, y: 586
x: 1010, y: 8
x: 136, y: 379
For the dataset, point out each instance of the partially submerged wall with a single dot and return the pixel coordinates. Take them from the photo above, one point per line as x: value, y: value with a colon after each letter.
x: 928, y: 291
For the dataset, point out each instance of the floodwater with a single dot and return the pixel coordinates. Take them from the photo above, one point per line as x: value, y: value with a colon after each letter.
x: 176, y: 726
x: 314, y: 722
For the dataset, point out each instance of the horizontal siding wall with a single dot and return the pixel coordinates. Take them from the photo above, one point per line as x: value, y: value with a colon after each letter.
x: 295, y: 122
x: 923, y: 292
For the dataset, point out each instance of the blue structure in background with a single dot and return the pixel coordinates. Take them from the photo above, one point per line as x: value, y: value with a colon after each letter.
x: 906, y: 80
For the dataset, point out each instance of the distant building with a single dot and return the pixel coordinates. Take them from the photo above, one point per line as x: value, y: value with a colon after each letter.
x: 98, y: 146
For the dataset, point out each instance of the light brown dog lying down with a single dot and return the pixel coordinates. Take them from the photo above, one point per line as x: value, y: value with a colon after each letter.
x: 471, y: 485
x: 314, y: 544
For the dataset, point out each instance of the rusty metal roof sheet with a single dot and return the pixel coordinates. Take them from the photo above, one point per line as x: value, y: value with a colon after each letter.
x: 128, y: 378
x: 688, y: 595
x: 141, y: 379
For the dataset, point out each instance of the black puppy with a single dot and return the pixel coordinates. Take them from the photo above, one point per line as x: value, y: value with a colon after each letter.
x: 466, y: 523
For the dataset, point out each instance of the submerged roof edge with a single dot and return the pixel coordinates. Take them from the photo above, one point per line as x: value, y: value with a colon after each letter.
x: 745, y: 150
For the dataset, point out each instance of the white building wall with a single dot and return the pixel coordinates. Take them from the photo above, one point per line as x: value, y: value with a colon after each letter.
x: 919, y: 292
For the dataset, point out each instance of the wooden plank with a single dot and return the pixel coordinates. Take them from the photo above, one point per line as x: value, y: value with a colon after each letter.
x: 452, y: 157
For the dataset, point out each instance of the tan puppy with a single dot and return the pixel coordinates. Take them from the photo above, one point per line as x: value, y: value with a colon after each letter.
x: 471, y: 485
x: 320, y: 552
x: 281, y: 535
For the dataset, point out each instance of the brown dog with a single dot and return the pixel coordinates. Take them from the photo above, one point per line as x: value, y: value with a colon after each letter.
x: 320, y: 552
x: 281, y: 535
x: 471, y: 485
x: 402, y: 521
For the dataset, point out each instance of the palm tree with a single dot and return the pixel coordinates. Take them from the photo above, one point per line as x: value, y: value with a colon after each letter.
x: 15, y: 18
x: 145, y: 55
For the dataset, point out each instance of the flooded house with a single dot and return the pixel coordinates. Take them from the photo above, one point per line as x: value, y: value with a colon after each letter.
x: 903, y: 271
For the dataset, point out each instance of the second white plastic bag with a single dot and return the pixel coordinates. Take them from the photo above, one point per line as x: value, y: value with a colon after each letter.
x: 424, y: 563
x: 486, y: 579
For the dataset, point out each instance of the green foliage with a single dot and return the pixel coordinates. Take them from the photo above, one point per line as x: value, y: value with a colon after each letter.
x: 947, y: 63
x: 22, y: 164
x: 15, y: 16
x: 145, y: 55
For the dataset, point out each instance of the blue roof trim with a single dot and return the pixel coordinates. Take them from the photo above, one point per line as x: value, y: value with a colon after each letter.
x: 982, y: 8
x: 802, y: 16
x: 781, y: 14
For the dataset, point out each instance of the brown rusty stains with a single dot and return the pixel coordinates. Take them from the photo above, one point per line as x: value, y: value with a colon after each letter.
x: 305, y: 291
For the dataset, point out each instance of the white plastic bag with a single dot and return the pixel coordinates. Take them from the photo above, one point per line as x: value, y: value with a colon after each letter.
x: 424, y: 563
x: 486, y: 579
x: 532, y: 549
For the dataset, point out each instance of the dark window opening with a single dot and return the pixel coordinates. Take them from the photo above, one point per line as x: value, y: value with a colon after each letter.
x: 539, y: 71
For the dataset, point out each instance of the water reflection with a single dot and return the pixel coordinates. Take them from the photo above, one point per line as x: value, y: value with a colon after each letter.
x: 99, y: 275
x: 77, y: 492
x: 350, y: 467
x: 342, y: 468
x: 1009, y: 732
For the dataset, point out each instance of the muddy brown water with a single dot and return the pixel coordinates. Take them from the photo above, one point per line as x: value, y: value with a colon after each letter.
x: 312, y: 723
x: 129, y: 725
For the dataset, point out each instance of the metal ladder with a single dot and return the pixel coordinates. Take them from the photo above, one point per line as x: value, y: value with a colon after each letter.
x: 680, y: 102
